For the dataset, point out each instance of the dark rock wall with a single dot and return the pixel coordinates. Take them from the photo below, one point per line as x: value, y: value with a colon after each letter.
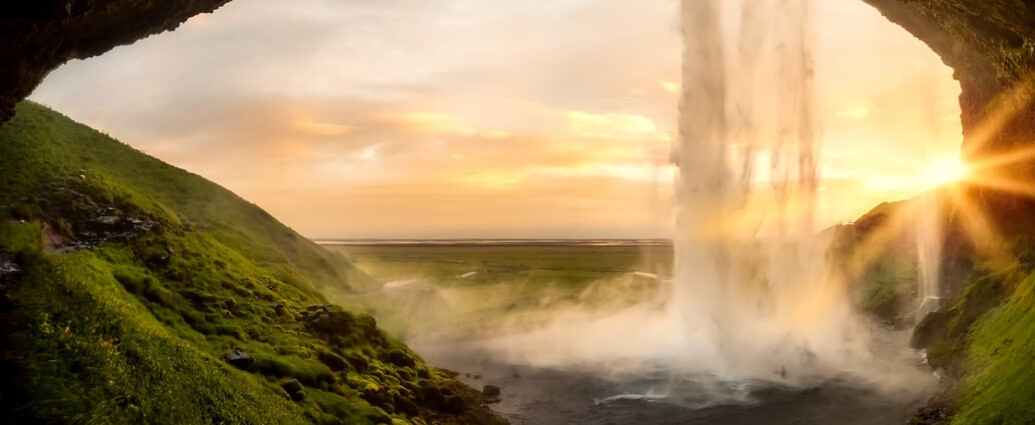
x: 990, y: 44
x: 37, y: 36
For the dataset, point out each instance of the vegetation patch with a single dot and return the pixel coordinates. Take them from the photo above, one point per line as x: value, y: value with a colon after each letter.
x: 140, y: 293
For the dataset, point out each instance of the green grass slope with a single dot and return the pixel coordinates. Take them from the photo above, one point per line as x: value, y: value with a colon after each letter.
x: 878, y: 264
x: 999, y: 385
x: 43, y: 149
x: 126, y: 285
x: 984, y: 343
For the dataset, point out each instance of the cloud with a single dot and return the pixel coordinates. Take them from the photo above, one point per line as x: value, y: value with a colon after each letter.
x: 445, y: 117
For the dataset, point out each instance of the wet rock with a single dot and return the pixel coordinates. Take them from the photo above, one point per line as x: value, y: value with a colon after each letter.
x: 93, y: 231
x: 7, y: 265
x: 75, y: 220
x: 239, y: 359
x: 8, y: 269
x: 935, y: 413
x: 491, y: 393
x: 108, y: 219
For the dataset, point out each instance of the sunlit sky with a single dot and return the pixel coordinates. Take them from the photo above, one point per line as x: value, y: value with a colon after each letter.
x: 489, y: 118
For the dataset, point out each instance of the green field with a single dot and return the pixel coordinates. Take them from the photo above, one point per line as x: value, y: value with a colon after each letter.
x: 471, y: 288
x: 572, y: 266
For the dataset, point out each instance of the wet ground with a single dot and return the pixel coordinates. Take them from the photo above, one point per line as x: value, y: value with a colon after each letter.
x: 533, y: 396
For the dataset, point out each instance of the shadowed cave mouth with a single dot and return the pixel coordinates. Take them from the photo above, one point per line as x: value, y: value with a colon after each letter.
x: 268, y: 126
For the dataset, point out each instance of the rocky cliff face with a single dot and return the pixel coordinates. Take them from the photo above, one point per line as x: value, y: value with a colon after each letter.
x: 990, y: 44
x: 37, y: 36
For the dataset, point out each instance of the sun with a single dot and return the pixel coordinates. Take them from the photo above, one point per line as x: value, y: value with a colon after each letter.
x: 945, y: 170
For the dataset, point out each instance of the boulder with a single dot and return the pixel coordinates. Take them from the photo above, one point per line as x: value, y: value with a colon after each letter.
x: 334, y: 361
x: 357, y: 361
x: 8, y: 267
x: 491, y: 393
x: 239, y: 359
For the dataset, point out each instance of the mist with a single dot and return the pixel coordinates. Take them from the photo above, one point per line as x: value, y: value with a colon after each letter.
x: 750, y: 297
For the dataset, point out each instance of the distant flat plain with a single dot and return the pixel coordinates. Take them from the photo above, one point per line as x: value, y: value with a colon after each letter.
x: 471, y: 287
x: 445, y: 295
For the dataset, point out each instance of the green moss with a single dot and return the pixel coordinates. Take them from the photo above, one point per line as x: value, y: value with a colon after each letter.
x: 125, y: 368
x: 944, y: 334
x: 984, y: 342
x: 308, y: 372
x: 1000, y: 383
x: 878, y: 260
x: 18, y: 237
x: 886, y: 287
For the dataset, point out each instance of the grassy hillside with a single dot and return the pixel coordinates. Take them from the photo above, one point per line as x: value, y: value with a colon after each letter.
x: 45, y: 151
x: 135, y: 292
x: 879, y: 264
x: 981, y: 342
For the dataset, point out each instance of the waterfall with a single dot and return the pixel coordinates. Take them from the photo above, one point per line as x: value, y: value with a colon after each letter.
x: 928, y: 234
x: 750, y: 271
x: 928, y: 227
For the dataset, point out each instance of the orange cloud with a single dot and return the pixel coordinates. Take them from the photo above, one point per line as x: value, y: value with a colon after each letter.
x: 367, y: 119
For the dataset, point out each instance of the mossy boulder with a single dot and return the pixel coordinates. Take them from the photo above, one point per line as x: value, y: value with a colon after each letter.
x: 239, y: 359
x: 401, y: 358
x: 294, y: 389
x: 335, y: 362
